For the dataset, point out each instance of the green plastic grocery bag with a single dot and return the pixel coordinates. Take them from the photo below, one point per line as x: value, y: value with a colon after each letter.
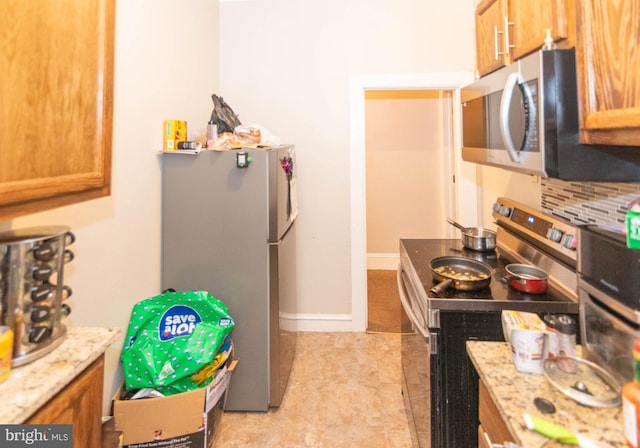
x: 171, y: 336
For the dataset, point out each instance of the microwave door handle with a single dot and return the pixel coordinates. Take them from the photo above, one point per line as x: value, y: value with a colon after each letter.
x: 505, y: 109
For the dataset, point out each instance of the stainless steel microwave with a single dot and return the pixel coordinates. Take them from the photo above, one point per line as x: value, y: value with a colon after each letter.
x: 524, y: 117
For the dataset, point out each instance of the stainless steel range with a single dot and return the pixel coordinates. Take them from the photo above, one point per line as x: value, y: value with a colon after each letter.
x: 440, y: 385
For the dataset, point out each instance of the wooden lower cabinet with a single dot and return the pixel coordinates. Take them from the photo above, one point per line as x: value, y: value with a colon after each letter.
x: 492, y: 427
x: 78, y: 404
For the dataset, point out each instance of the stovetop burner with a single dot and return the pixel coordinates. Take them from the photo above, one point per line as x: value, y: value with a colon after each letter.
x: 497, y: 290
x: 490, y: 257
x: 452, y: 293
x: 498, y: 295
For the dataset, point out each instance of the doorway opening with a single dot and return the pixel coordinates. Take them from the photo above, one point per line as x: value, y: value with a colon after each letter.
x: 358, y: 86
x: 408, y: 137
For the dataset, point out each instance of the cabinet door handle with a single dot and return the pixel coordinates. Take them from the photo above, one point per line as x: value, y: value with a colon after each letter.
x: 495, y: 41
x: 507, y: 45
x: 497, y: 445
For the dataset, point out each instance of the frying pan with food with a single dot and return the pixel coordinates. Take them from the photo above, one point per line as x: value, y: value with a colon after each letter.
x: 464, y: 274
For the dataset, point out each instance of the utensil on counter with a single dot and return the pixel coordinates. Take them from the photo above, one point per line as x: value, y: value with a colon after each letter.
x: 476, y: 238
x: 464, y: 274
x: 525, y: 278
x: 556, y: 432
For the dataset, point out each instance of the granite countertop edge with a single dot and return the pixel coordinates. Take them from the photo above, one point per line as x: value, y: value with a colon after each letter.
x: 513, y: 393
x: 32, y: 385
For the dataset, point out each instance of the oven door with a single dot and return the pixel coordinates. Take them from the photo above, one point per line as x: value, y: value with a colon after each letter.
x: 415, y: 354
x: 607, y: 334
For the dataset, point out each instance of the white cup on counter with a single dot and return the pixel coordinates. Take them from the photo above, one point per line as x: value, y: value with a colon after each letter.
x: 527, y: 348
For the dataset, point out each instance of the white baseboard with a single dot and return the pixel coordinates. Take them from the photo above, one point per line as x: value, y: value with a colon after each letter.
x: 317, y: 322
x: 388, y: 262
x: 336, y: 322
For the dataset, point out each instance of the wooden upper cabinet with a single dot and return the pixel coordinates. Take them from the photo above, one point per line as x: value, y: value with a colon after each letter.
x: 531, y: 20
x: 608, y: 63
x: 507, y: 30
x: 491, y: 45
x: 57, y: 99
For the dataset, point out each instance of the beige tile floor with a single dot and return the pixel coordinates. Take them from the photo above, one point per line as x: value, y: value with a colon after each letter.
x: 344, y: 391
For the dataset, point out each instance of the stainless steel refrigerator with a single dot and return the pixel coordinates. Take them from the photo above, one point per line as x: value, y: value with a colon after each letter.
x: 228, y: 227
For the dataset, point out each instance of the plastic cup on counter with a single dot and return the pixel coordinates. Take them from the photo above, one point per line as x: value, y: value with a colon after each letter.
x: 526, y: 349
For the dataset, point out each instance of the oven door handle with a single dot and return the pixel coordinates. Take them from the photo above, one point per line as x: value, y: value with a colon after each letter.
x: 407, y: 308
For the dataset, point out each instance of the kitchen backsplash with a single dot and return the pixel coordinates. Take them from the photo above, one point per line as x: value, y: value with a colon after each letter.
x: 588, y: 202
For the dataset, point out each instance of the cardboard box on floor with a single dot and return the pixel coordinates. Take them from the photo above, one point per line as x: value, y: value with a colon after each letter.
x: 186, y: 420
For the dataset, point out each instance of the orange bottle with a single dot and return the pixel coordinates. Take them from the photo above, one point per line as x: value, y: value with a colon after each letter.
x: 631, y: 402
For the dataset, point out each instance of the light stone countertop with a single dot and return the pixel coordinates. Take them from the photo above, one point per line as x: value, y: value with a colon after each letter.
x: 513, y: 393
x: 34, y: 384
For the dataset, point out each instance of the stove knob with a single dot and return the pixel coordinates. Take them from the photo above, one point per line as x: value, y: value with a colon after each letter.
x: 555, y: 235
x: 505, y: 211
x: 570, y: 242
x: 496, y: 207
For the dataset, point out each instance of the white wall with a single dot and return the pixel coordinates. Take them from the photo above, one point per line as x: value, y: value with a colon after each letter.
x: 286, y: 64
x: 496, y: 182
x: 165, y: 68
x: 405, y: 179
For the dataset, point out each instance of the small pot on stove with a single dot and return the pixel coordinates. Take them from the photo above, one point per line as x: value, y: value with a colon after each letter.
x: 476, y: 238
x: 525, y: 278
